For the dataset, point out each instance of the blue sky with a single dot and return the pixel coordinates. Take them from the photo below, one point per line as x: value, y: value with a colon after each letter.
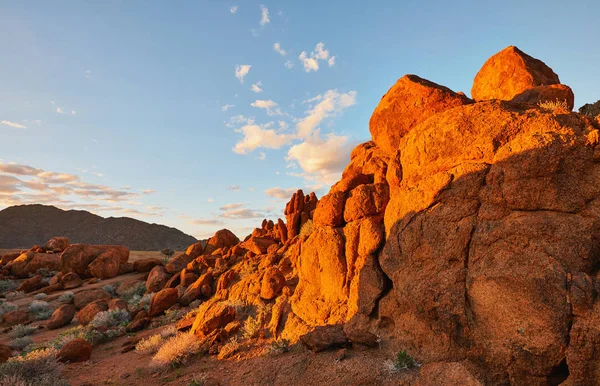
x: 149, y: 109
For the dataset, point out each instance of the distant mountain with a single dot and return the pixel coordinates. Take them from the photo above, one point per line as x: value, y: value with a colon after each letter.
x: 23, y: 226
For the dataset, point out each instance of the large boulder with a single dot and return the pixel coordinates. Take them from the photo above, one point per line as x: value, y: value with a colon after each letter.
x: 178, y: 263
x: 87, y: 313
x: 77, y: 257
x: 30, y: 262
x: 62, y: 316
x: 57, y: 244
x: 157, y: 279
x: 509, y: 73
x: 146, y: 265
x: 194, y: 291
x: 77, y: 350
x: 221, y: 239
x: 195, y: 250
x: 81, y: 299
x: 409, y: 102
x: 554, y: 93
x: 216, y: 316
x: 162, y: 301
x: 32, y: 284
x: 272, y: 283
x: 105, y: 266
x: 71, y: 280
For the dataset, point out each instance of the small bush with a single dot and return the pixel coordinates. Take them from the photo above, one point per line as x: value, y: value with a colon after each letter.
x: 20, y: 343
x: 65, y: 337
x: 21, y: 330
x: 110, y: 288
x: 279, y: 346
x: 37, y: 368
x: 403, y: 361
x: 40, y: 296
x: 174, y: 315
x: 145, y: 300
x: 229, y: 348
x: 6, y: 307
x: 134, y: 291
x: 176, y: 350
x: 45, y: 272
x: 110, y: 319
x: 169, y: 332
x: 67, y: 297
x: 252, y: 327
x: 198, y: 380
x: 307, y: 229
x: 554, y: 105
x: 149, y: 345
x: 40, y: 310
x: 7, y: 285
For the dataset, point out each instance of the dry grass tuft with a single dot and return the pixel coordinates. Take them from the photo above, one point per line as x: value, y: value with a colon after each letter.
x: 176, y: 350
x: 554, y: 105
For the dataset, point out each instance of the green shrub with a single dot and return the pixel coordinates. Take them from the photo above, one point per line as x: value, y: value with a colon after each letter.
x: 45, y: 272
x: 20, y: 343
x: 67, y: 297
x: 40, y: 310
x: 306, y: 229
x: 145, y: 300
x: 403, y: 361
x: 134, y: 291
x: 110, y: 319
x: 7, y: 285
x: 21, y: 330
x: 37, y: 368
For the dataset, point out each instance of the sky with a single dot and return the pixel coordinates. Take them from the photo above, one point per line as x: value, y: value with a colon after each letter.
x: 204, y: 115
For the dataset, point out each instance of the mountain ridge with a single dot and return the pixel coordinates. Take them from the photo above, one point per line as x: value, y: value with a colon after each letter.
x: 24, y: 225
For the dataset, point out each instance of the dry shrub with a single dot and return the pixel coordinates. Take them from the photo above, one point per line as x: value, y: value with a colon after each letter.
x: 176, y: 350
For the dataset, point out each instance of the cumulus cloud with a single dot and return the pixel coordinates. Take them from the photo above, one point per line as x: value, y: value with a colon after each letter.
x: 331, y: 103
x: 256, y: 136
x: 311, y: 61
x: 233, y: 9
x: 264, y: 18
x: 279, y: 50
x: 281, y: 193
x: 241, y: 70
x: 226, y: 107
x: 13, y: 124
x: 256, y: 87
x: 270, y: 106
x: 321, y: 159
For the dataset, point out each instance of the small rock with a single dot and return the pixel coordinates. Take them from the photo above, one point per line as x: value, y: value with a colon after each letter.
x: 77, y: 350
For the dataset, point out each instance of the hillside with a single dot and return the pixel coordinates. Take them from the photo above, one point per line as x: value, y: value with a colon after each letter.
x: 25, y: 225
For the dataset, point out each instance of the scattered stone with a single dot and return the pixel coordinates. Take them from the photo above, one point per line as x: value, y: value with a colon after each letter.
x: 62, y: 316
x: 77, y: 350
x: 325, y: 337
x: 87, y: 313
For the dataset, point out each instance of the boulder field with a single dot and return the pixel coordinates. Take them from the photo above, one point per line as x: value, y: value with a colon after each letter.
x: 466, y: 233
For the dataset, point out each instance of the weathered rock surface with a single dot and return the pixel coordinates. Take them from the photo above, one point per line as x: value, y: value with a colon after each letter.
x: 78, y: 257
x: 157, y: 279
x: 510, y: 72
x: 87, y: 313
x: 81, y: 299
x: 30, y: 262
x: 62, y: 316
x: 77, y: 350
x: 57, y: 244
x: 221, y: 239
x: 162, y: 301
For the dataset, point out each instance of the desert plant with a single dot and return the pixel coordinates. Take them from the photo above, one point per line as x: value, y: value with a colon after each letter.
x: 40, y: 296
x: 252, y: 327
x: 136, y: 290
x: 38, y: 368
x: 145, y: 300
x: 20, y: 343
x: 149, y: 345
x: 110, y: 288
x: 403, y: 361
x: 554, y: 105
x: 167, y: 253
x: 45, y: 272
x: 111, y: 318
x: 173, y: 315
x: 7, y: 285
x: 176, y: 350
x: 65, y: 337
x: 67, y: 297
x: 279, y: 346
x: 169, y: 331
x: 6, y: 307
x: 306, y: 229
x: 198, y: 379
x: 21, y: 330
x: 40, y: 310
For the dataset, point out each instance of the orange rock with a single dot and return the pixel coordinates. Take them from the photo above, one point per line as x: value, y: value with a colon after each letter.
x: 446, y: 374
x: 77, y: 350
x: 366, y: 200
x: 178, y: 263
x: 272, y: 283
x: 194, y: 291
x: 62, y: 316
x: 157, y: 279
x: 105, y: 266
x: 223, y: 238
x: 216, y: 316
x: 29, y: 262
x: 409, y: 102
x: 77, y: 257
x: 117, y: 304
x: 509, y: 73
x: 330, y: 209
x: 87, y: 313
x: 146, y: 265
x: 32, y: 284
x: 258, y: 245
x: 85, y: 297
x: 5, y: 353
x: 550, y: 93
x: 15, y: 317
x: 57, y: 244
x: 162, y: 301
x: 195, y: 250
x: 5, y: 259
x: 71, y: 280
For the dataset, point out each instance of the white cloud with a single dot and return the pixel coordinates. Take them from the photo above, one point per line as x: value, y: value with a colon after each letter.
x: 241, y: 70
x: 262, y: 156
x: 279, y: 50
x: 289, y: 64
x: 231, y: 206
x: 264, y: 19
x: 311, y: 61
x: 235, y: 188
x: 321, y: 159
x: 256, y: 136
x: 281, y: 193
x: 256, y: 87
x: 242, y: 213
x: 234, y: 9
x: 330, y: 103
x: 73, y: 112
x: 148, y: 191
x: 59, y: 110
x: 268, y: 105
x: 210, y: 199
x: 13, y: 124
x: 226, y: 107
x: 203, y: 221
